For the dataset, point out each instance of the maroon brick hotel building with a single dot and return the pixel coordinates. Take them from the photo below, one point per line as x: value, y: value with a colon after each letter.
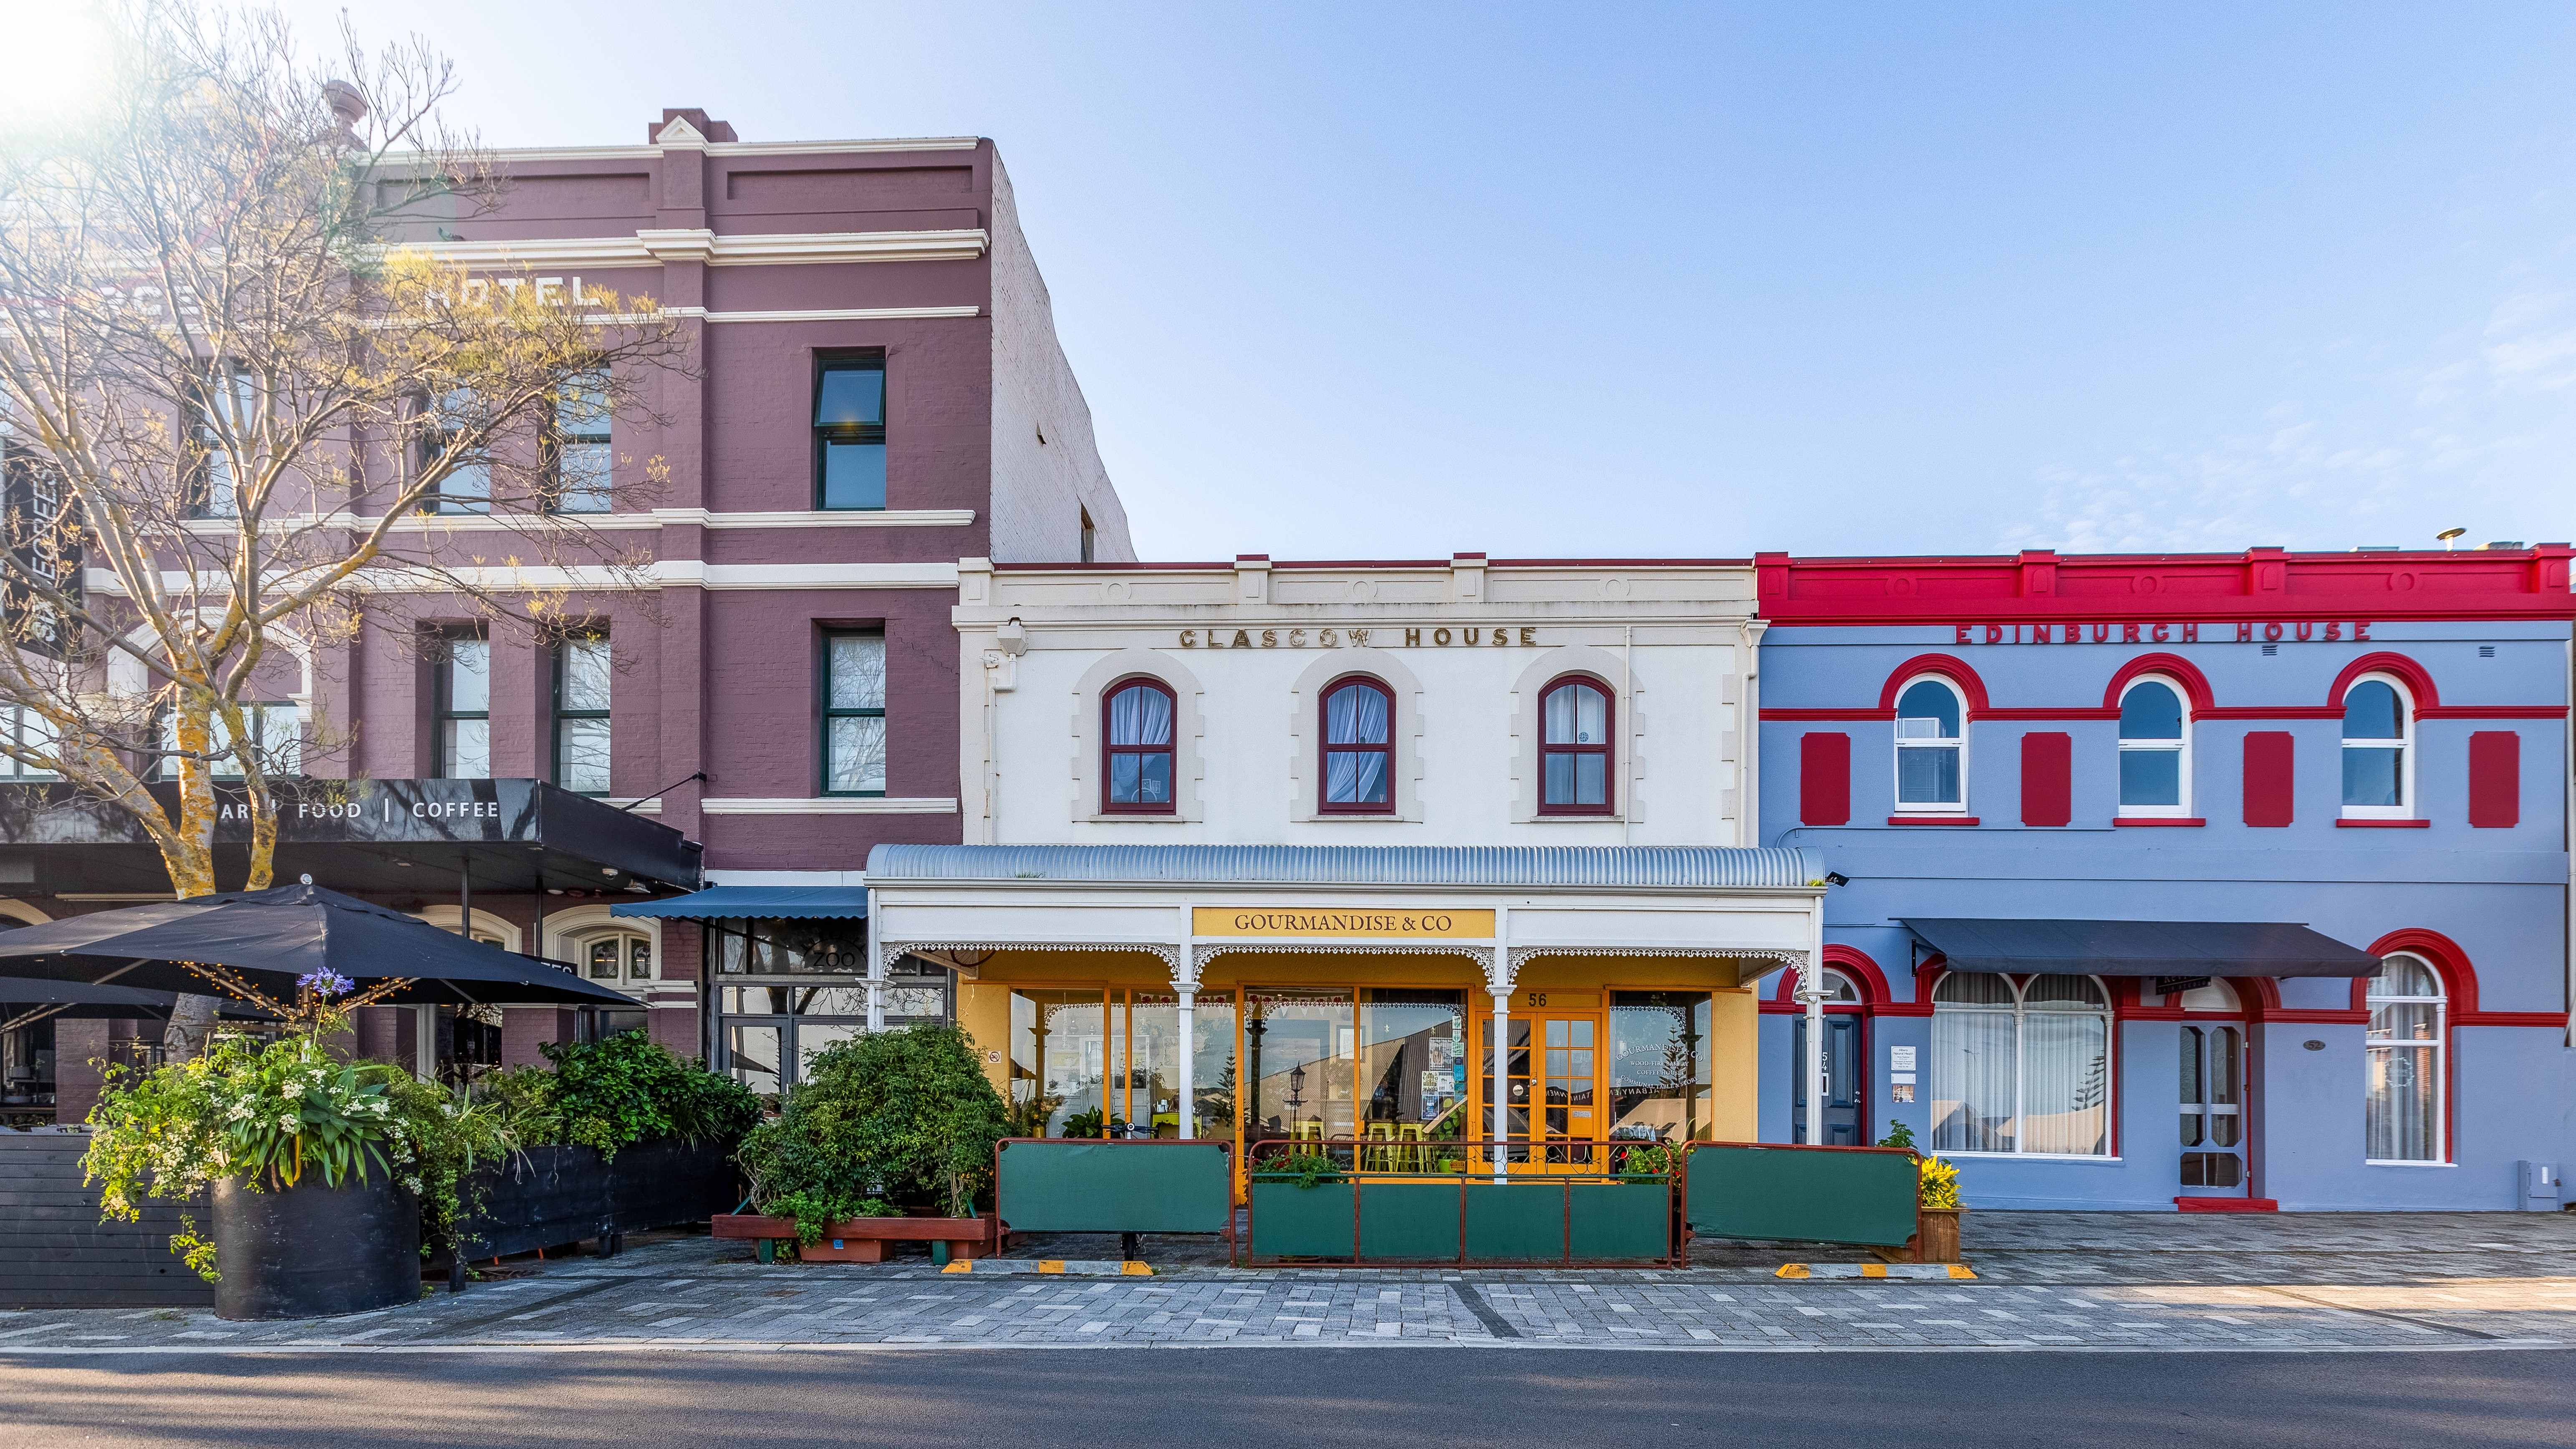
x: 875, y: 391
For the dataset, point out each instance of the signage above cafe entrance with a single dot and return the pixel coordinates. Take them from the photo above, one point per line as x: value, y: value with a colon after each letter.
x: 1343, y: 925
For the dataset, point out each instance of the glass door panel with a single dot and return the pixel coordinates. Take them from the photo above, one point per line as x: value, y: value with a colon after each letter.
x: 1297, y: 1050
x: 1551, y: 1086
x: 1061, y: 1063
x: 2212, y: 1081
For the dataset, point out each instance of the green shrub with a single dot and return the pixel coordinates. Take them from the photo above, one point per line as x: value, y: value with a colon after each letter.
x: 613, y: 1093
x: 907, y: 1116
x: 1306, y: 1169
x: 815, y: 1209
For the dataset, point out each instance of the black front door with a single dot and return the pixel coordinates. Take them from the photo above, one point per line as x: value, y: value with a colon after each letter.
x: 1844, y: 1064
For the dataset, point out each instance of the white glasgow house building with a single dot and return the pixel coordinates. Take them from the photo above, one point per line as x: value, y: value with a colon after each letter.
x: 1282, y: 851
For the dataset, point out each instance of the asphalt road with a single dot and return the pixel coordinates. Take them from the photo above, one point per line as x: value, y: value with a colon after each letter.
x: 1312, y: 1398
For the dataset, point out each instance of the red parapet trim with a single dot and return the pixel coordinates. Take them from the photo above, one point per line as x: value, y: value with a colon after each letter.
x: 1620, y: 563
x: 2554, y: 1020
x: 2493, y: 711
x: 1931, y: 819
x: 1823, y: 716
x: 2186, y: 821
x: 2383, y: 825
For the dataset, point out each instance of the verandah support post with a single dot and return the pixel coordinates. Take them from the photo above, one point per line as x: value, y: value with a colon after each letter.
x: 1185, y: 986
x: 1499, y: 975
x: 1811, y: 992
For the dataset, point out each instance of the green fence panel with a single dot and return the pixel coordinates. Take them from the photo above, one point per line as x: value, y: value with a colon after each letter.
x: 1409, y: 1221
x: 1289, y: 1221
x: 1621, y: 1221
x: 1802, y: 1194
x: 1515, y: 1222
x: 1109, y: 1187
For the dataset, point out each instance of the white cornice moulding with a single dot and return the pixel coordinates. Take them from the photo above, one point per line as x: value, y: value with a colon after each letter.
x: 828, y: 314
x: 830, y: 805
x: 807, y: 575
x: 508, y: 156
x: 654, y: 246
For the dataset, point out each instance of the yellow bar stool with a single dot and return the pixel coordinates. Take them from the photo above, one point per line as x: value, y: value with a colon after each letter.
x: 1410, y: 1157
x: 1380, y: 1158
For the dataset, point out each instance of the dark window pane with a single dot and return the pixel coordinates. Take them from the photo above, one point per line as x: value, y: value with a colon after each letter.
x: 2372, y: 777
x: 2151, y: 777
x: 850, y: 397
x: 1927, y: 777
x: 1928, y: 701
x: 854, y: 475
x: 2151, y: 712
x: 2370, y: 712
x: 1158, y: 779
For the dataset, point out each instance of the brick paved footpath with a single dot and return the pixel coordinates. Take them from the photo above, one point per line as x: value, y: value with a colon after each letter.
x: 2045, y: 1281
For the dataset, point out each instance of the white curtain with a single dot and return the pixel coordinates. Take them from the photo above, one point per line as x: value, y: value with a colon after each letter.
x: 1355, y: 716
x: 1140, y: 716
x: 1974, y: 1062
x: 2065, y: 1084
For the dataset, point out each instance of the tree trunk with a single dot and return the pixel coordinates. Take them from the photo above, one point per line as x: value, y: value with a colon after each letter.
x: 189, y: 855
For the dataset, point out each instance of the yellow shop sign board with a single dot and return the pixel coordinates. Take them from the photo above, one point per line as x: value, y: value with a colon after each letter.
x: 1341, y: 924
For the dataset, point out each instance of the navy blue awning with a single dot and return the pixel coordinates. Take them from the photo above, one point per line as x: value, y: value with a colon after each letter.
x: 718, y: 903
x: 2141, y: 948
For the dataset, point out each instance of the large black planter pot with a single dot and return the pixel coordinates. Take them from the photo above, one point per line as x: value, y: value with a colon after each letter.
x: 313, y: 1251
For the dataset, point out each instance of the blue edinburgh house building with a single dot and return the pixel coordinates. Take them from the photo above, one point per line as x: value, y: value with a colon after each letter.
x: 2220, y: 882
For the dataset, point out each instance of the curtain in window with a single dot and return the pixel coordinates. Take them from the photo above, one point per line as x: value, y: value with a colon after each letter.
x: 1355, y: 716
x: 2403, y: 1119
x: 2065, y: 1085
x: 1974, y: 1063
x: 1140, y: 716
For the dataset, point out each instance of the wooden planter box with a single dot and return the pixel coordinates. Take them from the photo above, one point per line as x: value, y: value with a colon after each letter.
x: 862, y: 1240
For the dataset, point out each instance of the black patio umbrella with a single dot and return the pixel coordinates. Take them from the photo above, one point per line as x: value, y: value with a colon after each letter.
x: 83, y: 1001
x: 276, y: 936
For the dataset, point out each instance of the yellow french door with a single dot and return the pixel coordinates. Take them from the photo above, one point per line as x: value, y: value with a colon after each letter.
x: 1550, y: 1086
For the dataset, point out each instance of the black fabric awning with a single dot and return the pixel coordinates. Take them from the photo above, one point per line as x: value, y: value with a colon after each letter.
x: 2181, y: 949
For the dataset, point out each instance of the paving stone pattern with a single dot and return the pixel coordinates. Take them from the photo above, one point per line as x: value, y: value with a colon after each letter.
x: 2056, y: 1280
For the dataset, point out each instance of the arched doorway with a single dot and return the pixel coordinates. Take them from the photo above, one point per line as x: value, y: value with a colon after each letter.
x: 2213, y: 1087
x: 1846, y: 1052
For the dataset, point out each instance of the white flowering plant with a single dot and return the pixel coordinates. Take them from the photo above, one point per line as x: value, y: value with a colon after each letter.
x: 270, y: 1115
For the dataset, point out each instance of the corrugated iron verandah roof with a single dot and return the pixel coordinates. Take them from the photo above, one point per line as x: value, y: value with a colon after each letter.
x: 1596, y: 867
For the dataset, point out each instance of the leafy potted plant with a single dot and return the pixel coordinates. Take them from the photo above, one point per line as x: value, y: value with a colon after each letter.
x: 898, y: 1118
x: 1937, y: 1207
x: 321, y: 1171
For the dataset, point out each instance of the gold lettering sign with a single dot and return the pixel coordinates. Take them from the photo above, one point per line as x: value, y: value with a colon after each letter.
x: 1389, y: 925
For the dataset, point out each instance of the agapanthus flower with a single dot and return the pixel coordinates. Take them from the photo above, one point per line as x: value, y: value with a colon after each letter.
x: 286, y: 1122
x: 325, y: 983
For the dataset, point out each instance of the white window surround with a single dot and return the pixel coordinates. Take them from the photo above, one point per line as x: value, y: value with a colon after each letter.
x: 1629, y: 722
x: 1898, y: 746
x: 485, y: 924
x: 2405, y: 745
x: 2020, y: 1010
x: 2438, y: 1045
x: 1405, y: 730
x: 1188, y: 725
x: 569, y: 932
x: 2181, y: 808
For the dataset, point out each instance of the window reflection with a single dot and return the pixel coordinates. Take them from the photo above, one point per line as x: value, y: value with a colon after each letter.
x: 1659, y: 1064
x: 1297, y: 1048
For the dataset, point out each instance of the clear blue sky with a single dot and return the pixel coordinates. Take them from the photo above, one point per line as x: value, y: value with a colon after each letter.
x: 1394, y: 280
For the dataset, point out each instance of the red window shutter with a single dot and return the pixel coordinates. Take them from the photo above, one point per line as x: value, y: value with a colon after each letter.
x: 1824, y: 779
x: 2047, y: 778
x: 2495, y: 779
x: 2271, y: 766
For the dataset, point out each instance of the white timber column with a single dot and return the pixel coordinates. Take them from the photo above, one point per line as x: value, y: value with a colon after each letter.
x: 424, y: 1041
x: 877, y: 964
x: 1185, y: 986
x: 1498, y: 983
x: 1811, y: 992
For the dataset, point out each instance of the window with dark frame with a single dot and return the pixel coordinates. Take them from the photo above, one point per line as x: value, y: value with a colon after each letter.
x: 1574, y: 747
x: 576, y: 446
x: 1137, y: 757
x: 854, y: 727
x: 467, y: 488
x: 462, y: 704
x: 849, y: 434
x: 1359, y: 748
x: 584, y: 669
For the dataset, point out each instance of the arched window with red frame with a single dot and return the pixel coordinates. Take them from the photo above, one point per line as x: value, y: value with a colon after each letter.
x: 1137, y: 758
x: 1576, y: 714
x: 1358, y: 722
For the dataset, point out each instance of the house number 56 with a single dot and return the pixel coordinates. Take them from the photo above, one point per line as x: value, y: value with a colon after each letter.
x: 1538, y: 998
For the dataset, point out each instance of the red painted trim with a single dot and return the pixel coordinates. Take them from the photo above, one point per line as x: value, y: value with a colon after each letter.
x: 2554, y: 1020
x: 1931, y: 819
x: 2047, y: 779
x: 2316, y: 1016
x: 2273, y: 711
x: 1821, y: 716
x: 1948, y: 666
x: 2195, y: 685
x: 1608, y: 748
x: 1170, y: 751
x: 1856, y: 967
x: 2044, y: 712
x: 2256, y: 586
x: 1824, y: 778
x: 2142, y: 820
x: 1325, y: 749
x: 2383, y: 824
x: 2226, y: 1205
x: 2419, y: 681
x: 2495, y: 779
x: 2493, y: 711
x: 2460, y: 992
